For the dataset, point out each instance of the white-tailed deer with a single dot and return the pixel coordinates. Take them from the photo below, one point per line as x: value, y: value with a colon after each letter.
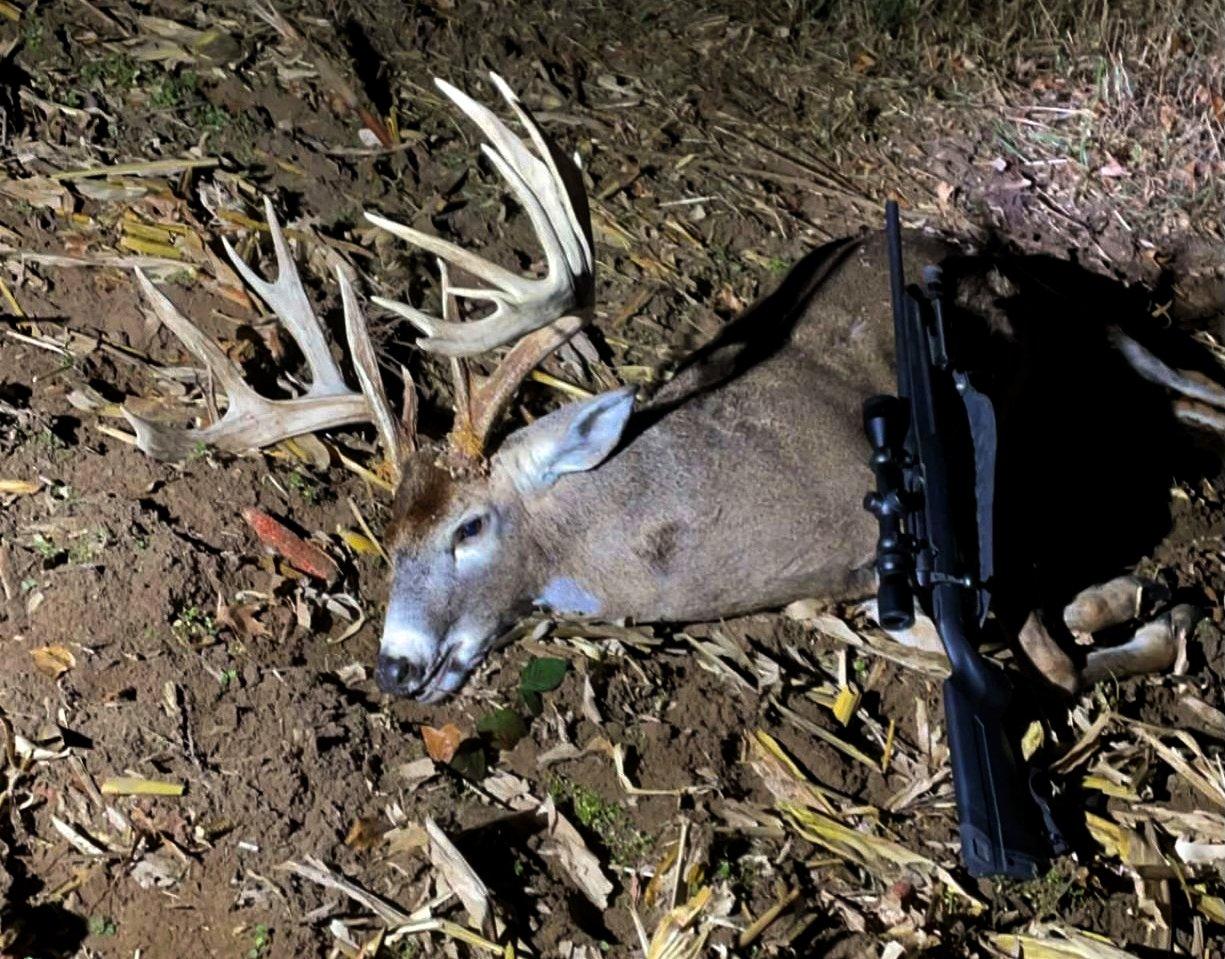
x: 738, y: 486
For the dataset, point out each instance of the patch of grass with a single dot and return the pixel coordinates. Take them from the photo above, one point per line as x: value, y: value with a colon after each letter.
x: 47, y: 439
x: 193, y: 626
x: 304, y: 485
x: 261, y: 937
x: 1050, y: 895
x: 740, y: 874
x: 32, y: 35
x: 88, y: 547
x: 45, y: 548
x: 609, y: 821
x: 102, y: 926
x: 115, y: 71
x: 180, y: 93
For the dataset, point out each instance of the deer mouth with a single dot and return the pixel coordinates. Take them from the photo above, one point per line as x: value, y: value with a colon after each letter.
x: 424, y: 691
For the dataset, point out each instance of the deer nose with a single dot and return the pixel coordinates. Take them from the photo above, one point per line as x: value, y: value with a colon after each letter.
x: 398, y: 675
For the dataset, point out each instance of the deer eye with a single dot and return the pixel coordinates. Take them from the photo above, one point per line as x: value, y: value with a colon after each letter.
x: 469, y: 529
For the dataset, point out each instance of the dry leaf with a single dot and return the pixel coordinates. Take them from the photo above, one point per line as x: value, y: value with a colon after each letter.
x: 360, y: 544
x: 38, y: 191
x: 417, y: 772
x: 460, y: 877
x: 1055, y: 942
x: 1033, y: 739
x: 19, y: 487
x: 364, y: 834
x: 53, y: 661
x: 440, y: 744
x: 1194, y: 852
x: 135, y: 786
x: 240, y: 619
x: 579, y: 863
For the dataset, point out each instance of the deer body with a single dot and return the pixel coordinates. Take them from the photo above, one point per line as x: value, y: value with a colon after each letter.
x: 739, y: 485
x: 737, y: 489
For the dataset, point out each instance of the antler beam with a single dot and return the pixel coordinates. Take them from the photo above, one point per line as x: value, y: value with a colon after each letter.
x: 549, y: 188
x: 252, y: 421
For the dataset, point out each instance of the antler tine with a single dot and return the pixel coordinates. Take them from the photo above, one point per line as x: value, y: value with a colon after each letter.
x: 366, y: 366
x: 565, y: 172
x: 287, y: 299
x: 477, y: 409
x: 550, y: 191
x: 252, y: 421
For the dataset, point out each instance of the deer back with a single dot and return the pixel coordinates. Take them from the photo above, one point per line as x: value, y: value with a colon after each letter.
x: 739, y: 485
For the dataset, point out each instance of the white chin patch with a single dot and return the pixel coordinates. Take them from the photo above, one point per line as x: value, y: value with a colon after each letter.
x: 405, y: 640
x: 564, y: 595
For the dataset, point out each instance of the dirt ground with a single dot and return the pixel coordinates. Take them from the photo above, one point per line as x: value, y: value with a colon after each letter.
x: 145, y: 633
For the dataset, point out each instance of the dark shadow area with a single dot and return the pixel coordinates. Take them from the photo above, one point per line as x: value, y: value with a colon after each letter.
x: 1087, y: 448
x: 753, y: 337
x: 46, y: 930
x: 369, y: 64
x: 510, y: 874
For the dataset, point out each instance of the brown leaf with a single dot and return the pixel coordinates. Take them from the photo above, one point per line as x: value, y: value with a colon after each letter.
x: 53, y: 661
x: 364, y: 834
x: 441, y: 744
x: 240, y: 619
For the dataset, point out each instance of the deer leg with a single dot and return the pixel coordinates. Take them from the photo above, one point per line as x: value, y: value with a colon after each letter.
x: 1100, y: 607
x: 1153, y: 647
x: 1046, y: 656
x: 1200, y: 414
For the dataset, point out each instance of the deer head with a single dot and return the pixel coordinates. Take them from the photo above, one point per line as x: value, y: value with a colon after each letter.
x: 465, y: 562
x: 466, y: 558
x: 473, y: 550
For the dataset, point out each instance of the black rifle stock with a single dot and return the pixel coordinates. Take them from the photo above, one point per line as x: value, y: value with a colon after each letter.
x: 933, y: 458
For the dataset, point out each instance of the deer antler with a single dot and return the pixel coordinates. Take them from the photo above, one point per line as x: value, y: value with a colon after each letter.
x: 541, y: 314
x: 252, y: 421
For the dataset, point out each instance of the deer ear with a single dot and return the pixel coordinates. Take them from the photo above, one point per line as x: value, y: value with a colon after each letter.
x: 573, y: 439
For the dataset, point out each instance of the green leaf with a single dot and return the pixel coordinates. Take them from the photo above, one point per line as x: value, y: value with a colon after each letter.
x: 504, y: 726
x: 469, y: 760
x: 543, y: 674
x: 532, y: 701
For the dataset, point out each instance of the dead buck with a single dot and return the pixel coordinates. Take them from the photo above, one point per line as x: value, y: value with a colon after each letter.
x: 737, y: 487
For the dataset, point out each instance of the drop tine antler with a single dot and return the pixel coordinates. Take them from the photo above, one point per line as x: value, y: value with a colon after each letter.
x: 252, y: 421
x: 393, y: 434
x: 549, y: 188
